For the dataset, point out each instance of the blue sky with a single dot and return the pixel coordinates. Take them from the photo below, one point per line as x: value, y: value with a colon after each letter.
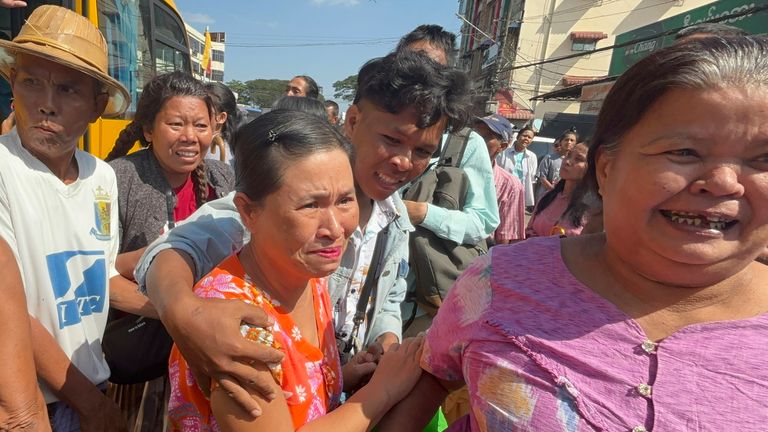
x: 352, y: 32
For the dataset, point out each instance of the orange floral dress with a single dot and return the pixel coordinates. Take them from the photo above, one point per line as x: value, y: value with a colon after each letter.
x: 309, y: 376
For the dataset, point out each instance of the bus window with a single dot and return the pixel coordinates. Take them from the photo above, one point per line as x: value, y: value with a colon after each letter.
x: 166, y: 26
x: 171, y: 50
x: 125, y: 26
x: 169, y: 59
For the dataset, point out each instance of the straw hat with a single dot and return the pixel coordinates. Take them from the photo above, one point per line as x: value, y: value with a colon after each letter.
x: 62, y: 36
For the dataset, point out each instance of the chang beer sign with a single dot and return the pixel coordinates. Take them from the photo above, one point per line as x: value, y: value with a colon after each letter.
x: 625, y: 56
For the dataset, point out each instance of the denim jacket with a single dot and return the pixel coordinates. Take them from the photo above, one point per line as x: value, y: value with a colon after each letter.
x: 215, y: 231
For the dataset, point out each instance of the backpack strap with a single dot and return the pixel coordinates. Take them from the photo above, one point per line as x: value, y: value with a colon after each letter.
x: 454, y: 149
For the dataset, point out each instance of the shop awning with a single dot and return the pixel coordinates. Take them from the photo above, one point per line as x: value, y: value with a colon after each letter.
x: 588, y: 35
x: 509, y: 108
x: 572, y: 80
x: 520, y: 114
x: 571, y: 93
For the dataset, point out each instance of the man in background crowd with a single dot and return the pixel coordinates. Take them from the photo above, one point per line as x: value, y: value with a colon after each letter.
x: 332, y: 110
x: 479, y: 217
x: 303, y: 86
x: 510, y: 195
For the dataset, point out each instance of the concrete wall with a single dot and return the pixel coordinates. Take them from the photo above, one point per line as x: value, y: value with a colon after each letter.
x: 608, y: 16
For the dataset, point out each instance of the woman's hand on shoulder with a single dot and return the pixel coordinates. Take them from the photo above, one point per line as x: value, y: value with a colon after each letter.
x: 399, y: 369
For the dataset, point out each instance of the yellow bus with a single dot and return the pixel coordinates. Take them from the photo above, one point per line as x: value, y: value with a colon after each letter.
x: 145, y: 38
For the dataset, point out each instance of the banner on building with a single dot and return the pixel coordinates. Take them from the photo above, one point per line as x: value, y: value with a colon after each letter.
x: 754, y: 23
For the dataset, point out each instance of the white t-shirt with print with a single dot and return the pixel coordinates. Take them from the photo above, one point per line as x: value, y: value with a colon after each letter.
x: 65, y: 240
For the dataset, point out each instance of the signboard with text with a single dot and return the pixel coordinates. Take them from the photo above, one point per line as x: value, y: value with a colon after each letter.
x: 592, y: 97
x: 625, y: 56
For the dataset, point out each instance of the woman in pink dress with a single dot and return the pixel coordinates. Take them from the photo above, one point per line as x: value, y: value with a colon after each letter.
x: 658, y: 323
x: 553, y: 215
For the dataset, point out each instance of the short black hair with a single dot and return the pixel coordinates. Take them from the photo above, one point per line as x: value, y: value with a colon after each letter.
x: 313, y: 91
x: 265, y: 146
x: 408, y: 79
x: 333, y: 106
x: 714, y: 29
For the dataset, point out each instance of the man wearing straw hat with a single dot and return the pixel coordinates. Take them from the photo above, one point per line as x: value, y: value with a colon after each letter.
x: 58, y: 208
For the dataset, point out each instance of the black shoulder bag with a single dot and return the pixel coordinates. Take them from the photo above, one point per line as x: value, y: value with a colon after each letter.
x: 137, y: 348
x: 434, y: 261
x: 371, y: 279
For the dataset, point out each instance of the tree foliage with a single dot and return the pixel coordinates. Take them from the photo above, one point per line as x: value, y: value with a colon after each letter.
x: 345, y: 89
x: 258, y: 92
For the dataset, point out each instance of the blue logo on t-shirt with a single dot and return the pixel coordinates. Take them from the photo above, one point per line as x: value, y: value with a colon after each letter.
x: 79, y: 281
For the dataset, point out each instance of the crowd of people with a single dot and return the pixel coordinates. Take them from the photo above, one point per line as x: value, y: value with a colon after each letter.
x: 218, y: 275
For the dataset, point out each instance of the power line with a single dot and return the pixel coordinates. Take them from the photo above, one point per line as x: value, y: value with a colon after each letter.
x: 308, y: 44
x: 602, y: 16
x: 551, y: 75
x: 574, y: 9
x: 297, y: 36
x: 634, y: 41
x: 517, y: 85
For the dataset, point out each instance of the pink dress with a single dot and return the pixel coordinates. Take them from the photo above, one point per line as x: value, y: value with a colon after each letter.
x: 511, y: 199
x: 550, y: 221
x: 539, y: 351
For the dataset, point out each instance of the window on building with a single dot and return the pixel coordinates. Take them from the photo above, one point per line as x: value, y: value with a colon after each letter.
x: 217, y: 55
x: 195, y: 46
x: 217, y: 75
x: 583, y: 44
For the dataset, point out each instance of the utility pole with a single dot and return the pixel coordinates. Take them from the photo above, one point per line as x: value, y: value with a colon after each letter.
x: 543, y: 53
x: 490, y: 104
x: 494, y: 72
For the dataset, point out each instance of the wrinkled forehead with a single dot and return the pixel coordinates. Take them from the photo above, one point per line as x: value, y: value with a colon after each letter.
x: 46, y: 69
x: 298, y: 82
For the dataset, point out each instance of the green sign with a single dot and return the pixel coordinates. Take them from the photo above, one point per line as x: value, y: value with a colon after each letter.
x: 625, y: 56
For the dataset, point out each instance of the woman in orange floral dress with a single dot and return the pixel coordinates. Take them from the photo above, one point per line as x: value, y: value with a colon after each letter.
x: 296, y: 193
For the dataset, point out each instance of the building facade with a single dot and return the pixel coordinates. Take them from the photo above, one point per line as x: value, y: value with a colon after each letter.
x: 196, y: 48
x: 502, y: 40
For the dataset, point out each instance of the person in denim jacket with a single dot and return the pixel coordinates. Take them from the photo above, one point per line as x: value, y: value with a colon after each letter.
x: 394, y: 139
